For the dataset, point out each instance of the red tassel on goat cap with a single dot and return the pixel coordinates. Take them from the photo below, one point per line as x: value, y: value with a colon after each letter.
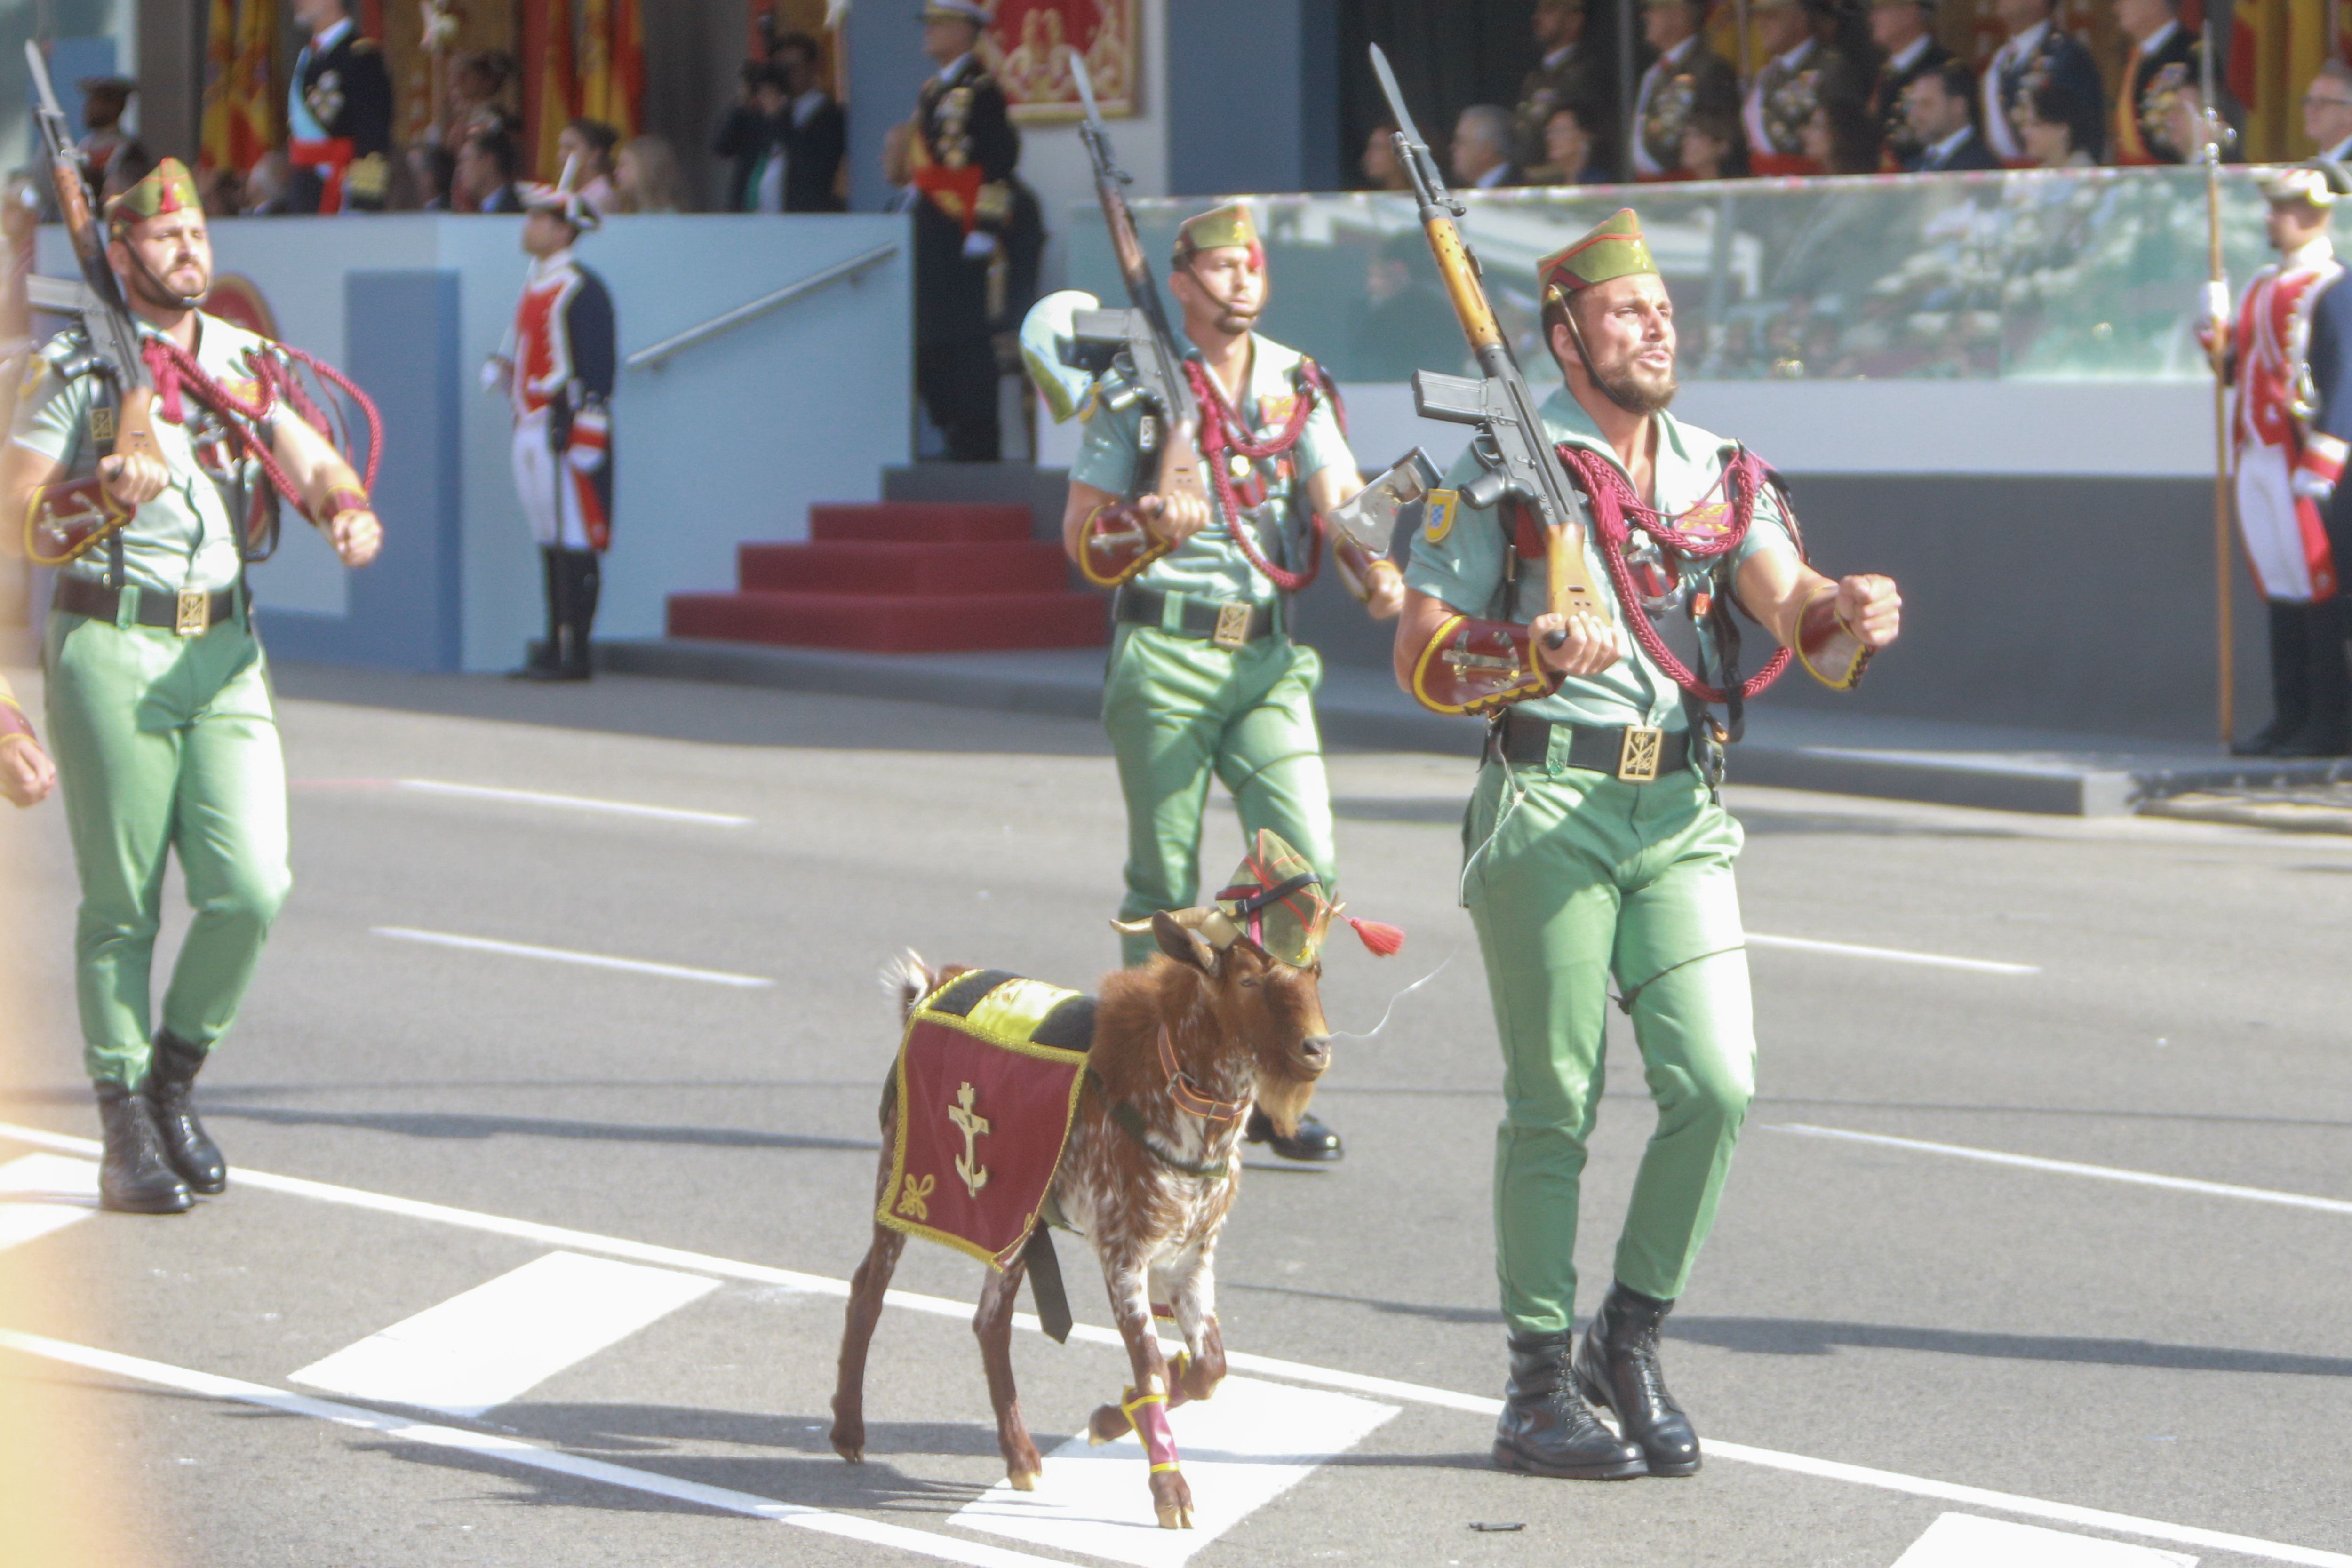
x: 1381, y: 939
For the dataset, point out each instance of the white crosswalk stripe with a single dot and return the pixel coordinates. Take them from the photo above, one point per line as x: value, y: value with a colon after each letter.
x: 42, y: 1193
x: 1971, y: 1540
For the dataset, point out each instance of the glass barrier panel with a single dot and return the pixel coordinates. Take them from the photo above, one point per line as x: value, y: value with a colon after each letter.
x: 2059, y: 274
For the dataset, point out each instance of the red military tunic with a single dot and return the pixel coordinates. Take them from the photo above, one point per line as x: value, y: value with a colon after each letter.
x: 2280, y: 469
x: 563, y: 350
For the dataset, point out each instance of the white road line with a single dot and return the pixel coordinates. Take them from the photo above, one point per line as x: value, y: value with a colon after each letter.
x: 1892, y: 955
x: 566, y: 955
x: 1243, y: 1449
x: 1971, y: 1541
x: 485, y: 1346
x: 2075, y: 1168
x: 42, y: 1193
x: 1240, y: 1361
x: 574, y: 803
x: 528, y: 1456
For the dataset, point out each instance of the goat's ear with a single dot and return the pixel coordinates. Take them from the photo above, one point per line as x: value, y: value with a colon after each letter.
x: 1183, y: 943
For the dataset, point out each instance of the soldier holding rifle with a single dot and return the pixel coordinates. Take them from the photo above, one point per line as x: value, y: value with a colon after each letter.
x: 1199, y: 492
x: 1599, y: 849
x: 150, y: 444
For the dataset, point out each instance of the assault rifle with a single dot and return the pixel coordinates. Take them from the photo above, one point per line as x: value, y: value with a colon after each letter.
x: 1512, y: 445
x: 113, y: 350
x: 1141, y: 335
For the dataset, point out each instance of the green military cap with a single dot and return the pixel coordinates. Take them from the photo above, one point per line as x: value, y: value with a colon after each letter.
x: 1614, y: 248
x: 1219, y: 226
x: 168, y: 188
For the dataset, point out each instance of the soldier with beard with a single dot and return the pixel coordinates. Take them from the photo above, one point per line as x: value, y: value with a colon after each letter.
x: 1598, y: 849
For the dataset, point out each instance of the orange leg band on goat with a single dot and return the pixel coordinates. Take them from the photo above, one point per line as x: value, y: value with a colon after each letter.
x: 1149, y: 1412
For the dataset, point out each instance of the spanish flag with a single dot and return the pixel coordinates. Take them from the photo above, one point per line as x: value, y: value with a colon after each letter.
x: 220, y: 71
x: 2275, y: 47
x: 552, y: 91
x: 253, y: 94
x: 612, y: 63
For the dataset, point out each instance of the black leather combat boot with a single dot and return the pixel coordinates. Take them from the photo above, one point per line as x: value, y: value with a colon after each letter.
x: 1617, y: 1368
x: 1313, y: 1141
x: 1547, y: 1427
x: 133, y: 1178
x: 171, y: 1077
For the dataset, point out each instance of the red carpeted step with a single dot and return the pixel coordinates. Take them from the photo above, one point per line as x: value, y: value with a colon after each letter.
x: 919, y: 522
x: 872, y: 566
x: 893, y: 623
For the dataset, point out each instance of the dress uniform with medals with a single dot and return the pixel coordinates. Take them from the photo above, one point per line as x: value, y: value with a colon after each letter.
x: 2042, y: 53
x: 1572, y: 75
x: 1683, y: 79
x: 2287, y: 460
x: 1786, y: 90
x: 963, y: 155
x: 160, y: 720
x: 558, y: 365
x: 1598, y: 858
x: 339, y: 111
x: 1203, y: 676
x: 2155, y: 74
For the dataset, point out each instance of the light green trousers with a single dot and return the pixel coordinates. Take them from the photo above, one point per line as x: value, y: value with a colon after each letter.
x: 1578, y: 880
x: 165, y: 741
x: 1178, y: 709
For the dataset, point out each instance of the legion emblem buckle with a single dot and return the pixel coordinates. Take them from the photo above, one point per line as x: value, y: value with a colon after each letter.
x: 195, y: 612
x: 1637, y: 759
x: 1233, y: 625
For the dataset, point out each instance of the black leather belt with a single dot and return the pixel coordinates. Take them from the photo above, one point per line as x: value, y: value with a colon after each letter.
x: 191, y: 613
x: 1229, y: 623
x: 1634, y: 753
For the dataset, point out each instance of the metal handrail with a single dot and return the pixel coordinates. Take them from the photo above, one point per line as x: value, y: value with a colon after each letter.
x: 655, y: 353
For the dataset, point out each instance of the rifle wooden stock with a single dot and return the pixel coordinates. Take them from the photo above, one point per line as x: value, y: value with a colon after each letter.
x: 1460, y: 275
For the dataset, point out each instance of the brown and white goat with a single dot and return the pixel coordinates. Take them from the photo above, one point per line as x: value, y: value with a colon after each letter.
x: 1243, y: 1029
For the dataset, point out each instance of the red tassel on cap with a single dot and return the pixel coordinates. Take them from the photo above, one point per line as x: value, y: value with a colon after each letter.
x: 1382, y: 939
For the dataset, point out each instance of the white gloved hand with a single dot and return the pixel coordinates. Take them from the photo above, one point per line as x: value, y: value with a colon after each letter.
x: 2310, y: 486
x: 497, y: 373
x: 978, y: 246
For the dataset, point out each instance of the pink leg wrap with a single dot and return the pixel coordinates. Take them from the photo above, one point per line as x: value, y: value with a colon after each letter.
x: 1149, y: 1412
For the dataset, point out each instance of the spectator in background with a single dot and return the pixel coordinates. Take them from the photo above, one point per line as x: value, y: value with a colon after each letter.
x: 2328, y: 111
x: 486, y: 165
x: 752, y: 133
x: 1904, y: 31
x: 432, y: 171
x: 1685, y: 78
x: 477, y: 87
x: 2060, y: 128
x: 1713, y: 147
x: 264, y: 192
x: 1571, y: 142
x: 2163, y: 61
x: 1798, y: 74
x: 1482, y: 149
x: 2037, y: 51
x: 645, y: 178
x: 816, y: 131
x: 1567, y: 74
x: 899, y: 165
x: 104, y: 100
x: 1378, y: 164
x: 594, y: 143
x: 1842, y: 137
x: 1402, y: 323
x: 1942, y: 117
x: 339, y: 108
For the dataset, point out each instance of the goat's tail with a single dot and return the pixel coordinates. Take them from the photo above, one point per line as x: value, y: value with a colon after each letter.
x: 905, y: 980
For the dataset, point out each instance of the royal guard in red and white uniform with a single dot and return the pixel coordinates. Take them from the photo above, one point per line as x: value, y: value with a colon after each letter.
x: 558, y: 366
x: 2286, y: 470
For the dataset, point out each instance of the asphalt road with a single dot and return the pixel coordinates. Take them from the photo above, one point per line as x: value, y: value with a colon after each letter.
x: 1877, y: 1328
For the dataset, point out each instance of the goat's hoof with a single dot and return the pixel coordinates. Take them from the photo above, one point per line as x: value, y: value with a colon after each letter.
x: 1174, y: 1518
x: 1022, y: 1481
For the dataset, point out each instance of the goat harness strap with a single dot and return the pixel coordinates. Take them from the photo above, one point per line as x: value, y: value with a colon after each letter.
x: 1187, y: 1094
x: 1130, y: 1122
x: 1148, y: 1413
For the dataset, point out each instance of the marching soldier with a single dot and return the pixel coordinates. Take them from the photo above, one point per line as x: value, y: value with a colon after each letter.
x: 1686, y: 77
x: 1598, y: 853
x: 2037, y: 51
x: 2163, y: 61
x: 159, y: 701
x: 1904, y: 31
x: 558, y: 367
x: 1203, y: 676
x: 338, y: 115
x: 2286, y: 466
x: 26, y: 773
x: 962, y: 158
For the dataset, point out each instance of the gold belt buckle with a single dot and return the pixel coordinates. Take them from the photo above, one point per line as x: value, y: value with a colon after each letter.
x: 1637, y: 759
x: 1233, y: 625
x: 195, y: 612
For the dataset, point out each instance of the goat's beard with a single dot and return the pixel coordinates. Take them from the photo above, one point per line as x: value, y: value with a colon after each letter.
x: 1284, y: 1100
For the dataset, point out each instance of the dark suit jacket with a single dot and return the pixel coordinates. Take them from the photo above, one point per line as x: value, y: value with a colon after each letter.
x: 1971, y: 153
x: 2062, y: 58
x: 813, y: 153
x: 1899, y: 145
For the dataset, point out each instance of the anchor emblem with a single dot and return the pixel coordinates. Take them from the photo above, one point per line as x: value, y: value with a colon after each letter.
x: 968, y: 1167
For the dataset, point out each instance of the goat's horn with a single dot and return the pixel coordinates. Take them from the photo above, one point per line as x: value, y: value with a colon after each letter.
x: 1131, y: 927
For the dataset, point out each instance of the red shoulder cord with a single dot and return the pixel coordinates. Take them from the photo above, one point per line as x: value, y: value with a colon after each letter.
x: 1222, y: 432
x: 1611, y: 497
x: 175, y: 369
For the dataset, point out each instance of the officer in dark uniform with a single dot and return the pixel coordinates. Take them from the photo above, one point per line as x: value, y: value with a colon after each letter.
x: 1570, y: 74
x: 2165, y: 59
x: 338, y: 115
x: 963, y: 154
x: 2037, y: 50
x: 1905, y: 31
x: 2327, y: 388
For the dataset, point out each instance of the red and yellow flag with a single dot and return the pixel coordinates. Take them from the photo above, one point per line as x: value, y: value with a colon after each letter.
x: 557, y: 86
x: 612, y: 63
x: 2275, y: 47
x: 253, y: 91
x: 220, y: 68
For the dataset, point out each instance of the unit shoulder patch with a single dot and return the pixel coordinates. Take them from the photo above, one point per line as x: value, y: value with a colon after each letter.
x: 1437, y: 514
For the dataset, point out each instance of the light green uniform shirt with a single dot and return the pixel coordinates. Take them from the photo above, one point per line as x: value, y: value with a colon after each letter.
x: 185, y: 537
x: 1209, y: 565
x: 1468, y: 564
